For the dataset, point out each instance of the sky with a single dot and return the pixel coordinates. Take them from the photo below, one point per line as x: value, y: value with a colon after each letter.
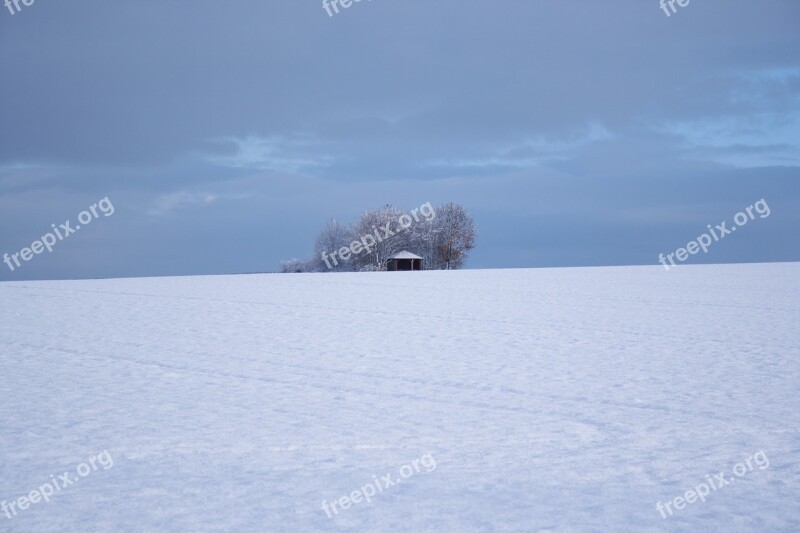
x: 225, y: 134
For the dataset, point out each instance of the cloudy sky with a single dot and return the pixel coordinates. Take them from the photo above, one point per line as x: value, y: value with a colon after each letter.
x: 226, y: 133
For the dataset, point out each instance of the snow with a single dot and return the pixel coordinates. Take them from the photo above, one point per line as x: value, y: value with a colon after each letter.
x: 550, y: 399
x: 405, y: 254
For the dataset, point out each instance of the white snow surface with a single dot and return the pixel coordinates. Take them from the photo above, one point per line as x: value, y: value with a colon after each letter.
x: 567, y: 399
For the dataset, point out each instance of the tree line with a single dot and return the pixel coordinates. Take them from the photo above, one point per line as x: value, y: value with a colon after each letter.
x: 442, y: 236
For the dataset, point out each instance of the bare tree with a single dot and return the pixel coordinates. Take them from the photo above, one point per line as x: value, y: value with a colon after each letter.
x: 381, y: 231
x: 332, y: 238
x: 443, y: 237
x: 454, y: 236
x: 294, y: 266
x: 423, y: 242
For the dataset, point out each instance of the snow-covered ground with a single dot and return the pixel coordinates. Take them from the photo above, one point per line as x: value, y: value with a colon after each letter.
x: 551, y: 399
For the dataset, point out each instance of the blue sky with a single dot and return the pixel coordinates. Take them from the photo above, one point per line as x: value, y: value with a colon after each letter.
x: 226, y: 134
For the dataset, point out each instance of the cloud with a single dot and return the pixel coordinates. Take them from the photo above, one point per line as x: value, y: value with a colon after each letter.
x: 569, y: 115
x: 531, y: 152
x: 167, y: 203
x: 275, y: 153
x: 758, y: 139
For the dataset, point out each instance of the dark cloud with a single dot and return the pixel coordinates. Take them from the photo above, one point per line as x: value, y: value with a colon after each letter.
x: 227, y: 133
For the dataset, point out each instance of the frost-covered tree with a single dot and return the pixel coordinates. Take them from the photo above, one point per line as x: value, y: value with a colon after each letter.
x: 422, y: 236
x: 442, y: 237
x: 381, y: 231
x: 333, y: 237
x: 295, y: 266
x: 454, y: 236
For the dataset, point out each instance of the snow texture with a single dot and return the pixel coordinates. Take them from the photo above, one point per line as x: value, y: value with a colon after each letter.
x: 550, y: 399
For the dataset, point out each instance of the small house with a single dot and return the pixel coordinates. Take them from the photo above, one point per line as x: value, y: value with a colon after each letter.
x: 404, y: 260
